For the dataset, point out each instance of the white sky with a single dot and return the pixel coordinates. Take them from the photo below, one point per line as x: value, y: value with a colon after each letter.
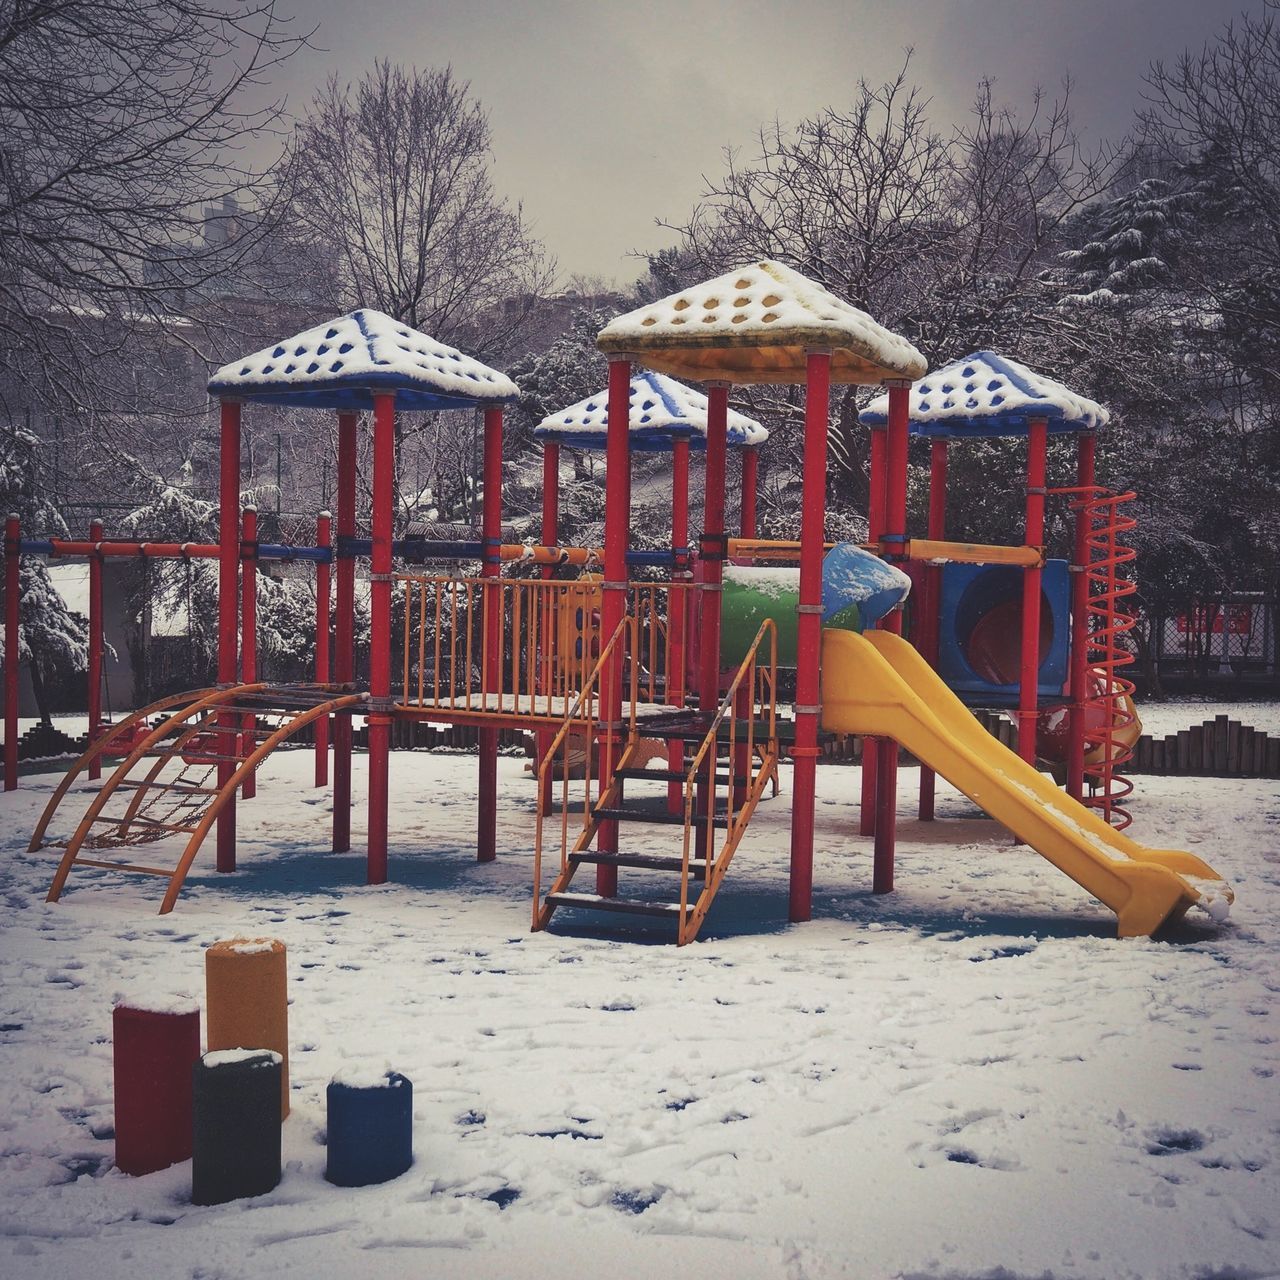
x: 606, y: 114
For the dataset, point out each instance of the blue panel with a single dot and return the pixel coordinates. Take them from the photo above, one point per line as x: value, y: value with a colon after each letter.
x: 282, y: 551
x: 656, y: 559
x: 970, y: 594
x: 353, y: 394
x: 643, y: 439
x: 1016, y: 423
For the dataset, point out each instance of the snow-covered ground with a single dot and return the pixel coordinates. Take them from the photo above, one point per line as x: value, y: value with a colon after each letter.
x: 967, y: 1078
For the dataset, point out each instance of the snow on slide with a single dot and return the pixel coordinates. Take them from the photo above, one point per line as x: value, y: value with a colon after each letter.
x: 878, y: 684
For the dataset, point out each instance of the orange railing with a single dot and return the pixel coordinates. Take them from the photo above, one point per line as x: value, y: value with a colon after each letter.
x: 587, y: 745
x: 750, y: 743
x: 590, y: 752
x: 550, y: 643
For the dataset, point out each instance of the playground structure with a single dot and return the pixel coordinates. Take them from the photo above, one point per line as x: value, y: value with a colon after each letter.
x: 94, y: 550
x: 596, y: 665
x: 1004, y: 626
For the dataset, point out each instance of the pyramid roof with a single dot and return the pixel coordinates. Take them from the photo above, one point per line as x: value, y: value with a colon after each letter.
x: 755, y: 324
x: 662, y: 410
x: 342, y: 363
x: 986, y: 394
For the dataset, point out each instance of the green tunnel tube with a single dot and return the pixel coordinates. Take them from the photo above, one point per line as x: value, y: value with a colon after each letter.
x: 858, y: 589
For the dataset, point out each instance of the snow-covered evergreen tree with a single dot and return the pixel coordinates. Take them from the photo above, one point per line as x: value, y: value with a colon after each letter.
x: 51, y: 638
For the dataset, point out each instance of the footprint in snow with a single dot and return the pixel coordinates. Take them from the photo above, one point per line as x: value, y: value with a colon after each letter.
x: 1167, y: 1142
x: 966, y: 1155
x: 635, y: 1201
x: 77, y: 1166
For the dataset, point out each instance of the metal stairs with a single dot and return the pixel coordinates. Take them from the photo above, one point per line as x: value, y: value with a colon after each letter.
x: 735, y: 759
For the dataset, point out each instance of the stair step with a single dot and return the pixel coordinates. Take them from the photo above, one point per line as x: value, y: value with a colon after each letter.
x: 657, y: 815
x: 673, y: 775
x: 645, y: 861
x: 626, y: 906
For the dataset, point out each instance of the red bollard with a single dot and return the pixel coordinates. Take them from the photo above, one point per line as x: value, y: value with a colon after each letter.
x: 155, y: 1049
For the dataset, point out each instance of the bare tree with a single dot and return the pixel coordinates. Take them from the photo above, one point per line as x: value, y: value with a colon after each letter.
x: 120, y: 122
x: 392, y: 177
x: 849, y: 197
x: 1223, y: 103
x: 939, y: 234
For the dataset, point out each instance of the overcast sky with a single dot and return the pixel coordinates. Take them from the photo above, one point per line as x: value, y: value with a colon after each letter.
x: 606, y: 114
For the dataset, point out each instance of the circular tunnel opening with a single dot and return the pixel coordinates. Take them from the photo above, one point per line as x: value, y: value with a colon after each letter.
x: 989, y: 625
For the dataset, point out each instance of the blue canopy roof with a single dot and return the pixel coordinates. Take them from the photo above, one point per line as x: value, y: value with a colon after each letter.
x: 986, y: 394
x: 661, y: 411
x: 342, y: 363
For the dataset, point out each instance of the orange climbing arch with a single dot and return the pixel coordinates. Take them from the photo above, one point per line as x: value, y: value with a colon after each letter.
x: 166, y: 785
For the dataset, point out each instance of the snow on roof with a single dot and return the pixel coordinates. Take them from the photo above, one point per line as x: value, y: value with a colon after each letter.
x: 662, y: 409
x: 340, y: 364
x: 755, y: 324
x: 987, y: 395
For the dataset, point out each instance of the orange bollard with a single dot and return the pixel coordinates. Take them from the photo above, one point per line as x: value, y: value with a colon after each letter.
x: 247, y: 998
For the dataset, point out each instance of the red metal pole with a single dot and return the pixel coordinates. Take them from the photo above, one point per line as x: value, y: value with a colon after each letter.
x: 95, y: 648
x: 617, y: 527
x: 750, y: 485
x: 1028, y: 700
x: 747, y: 529
x: 344, y: 655
x: 895, y: 533
x: 324, y: 538
x: 712, y: 557
x: 809, y: 632
x: 228, y: 583
x: 491, y: 675
x: 929, y: 614
x: 550, y: 495
x: 249, y: 632
x: 379, y: 719
x: 12, y: 592
x: 677, y: 612
x: 876, y: 497
x: 549, y: 615
x: 712, y: 550
x: 1086, y: 455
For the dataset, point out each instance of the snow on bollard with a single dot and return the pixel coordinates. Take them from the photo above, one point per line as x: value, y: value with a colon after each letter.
x: 236, y: 1125
x: 246, y: 993
x: 370, y: 1126
x: 155, y: 1044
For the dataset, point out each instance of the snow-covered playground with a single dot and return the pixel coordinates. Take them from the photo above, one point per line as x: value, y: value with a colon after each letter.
x: 969, y: 1077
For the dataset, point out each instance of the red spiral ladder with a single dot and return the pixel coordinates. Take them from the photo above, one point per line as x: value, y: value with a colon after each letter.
x: 1110, y: 619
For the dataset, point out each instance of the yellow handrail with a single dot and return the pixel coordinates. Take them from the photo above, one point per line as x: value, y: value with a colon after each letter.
x: 583, y: 715
x: 749, y: 671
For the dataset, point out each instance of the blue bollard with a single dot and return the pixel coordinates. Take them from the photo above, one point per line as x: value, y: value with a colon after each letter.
x: 370, y: 1128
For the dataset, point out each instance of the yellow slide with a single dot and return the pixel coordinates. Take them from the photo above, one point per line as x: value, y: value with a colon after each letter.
x: 877, y: 684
